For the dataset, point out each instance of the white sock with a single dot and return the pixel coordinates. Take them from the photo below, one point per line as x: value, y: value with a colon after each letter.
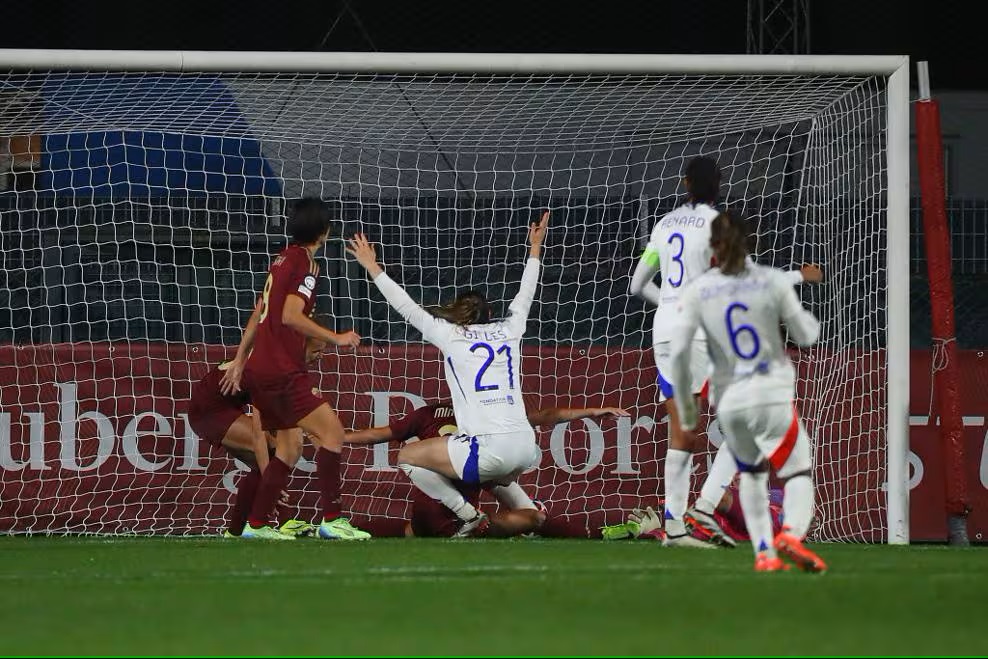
x: 754, y: 504
x: 719, y: 478
x: 797, y: 507
x: 441, y: 489
x: 677, y: 481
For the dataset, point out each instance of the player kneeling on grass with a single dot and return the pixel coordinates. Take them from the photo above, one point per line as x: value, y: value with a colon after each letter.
x: 482, y: 360
x: 517, y: 515
x: 221, y: 420
x: 740, y: 307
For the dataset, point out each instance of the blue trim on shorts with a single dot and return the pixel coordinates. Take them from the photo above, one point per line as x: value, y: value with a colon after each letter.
x: 746, y: 468
x: 471, y: 468
x: 665, y: 387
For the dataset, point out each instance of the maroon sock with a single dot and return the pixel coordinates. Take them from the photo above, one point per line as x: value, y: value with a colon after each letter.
x: 244, y: 501
x: 328, y: 472
x: 275, y: 480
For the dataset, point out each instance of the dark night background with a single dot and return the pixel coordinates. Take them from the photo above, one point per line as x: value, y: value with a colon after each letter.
x: 944, y: 33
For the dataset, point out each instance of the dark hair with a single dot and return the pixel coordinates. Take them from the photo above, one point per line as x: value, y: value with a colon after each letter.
x: 703, y: 180
x: 468, y: 308
x: 729, y: 240
x: 310, y: 219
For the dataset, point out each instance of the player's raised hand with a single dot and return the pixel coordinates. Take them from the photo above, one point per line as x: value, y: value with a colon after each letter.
x: 348, y: 339
x: 811, y: 273
x: 230, y: 382
x: 536, y: 234
x: 609, y: 411
x: 364, y: 252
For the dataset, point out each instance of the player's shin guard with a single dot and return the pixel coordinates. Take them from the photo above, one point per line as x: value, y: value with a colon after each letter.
x: 328, y: 474
x: 274, y: 480
x: 677, y: 484
x: 797, y: 506
x: 439, y: 488
x: 721, y: 474
x: 754, y: 503
x: 247, y: 488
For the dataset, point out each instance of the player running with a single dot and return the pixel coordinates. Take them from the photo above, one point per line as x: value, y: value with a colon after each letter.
x: 279, y: 383
x: 739, y: 306
x: 679, y: 248
x: 518, y: 514
x: 482, y: 360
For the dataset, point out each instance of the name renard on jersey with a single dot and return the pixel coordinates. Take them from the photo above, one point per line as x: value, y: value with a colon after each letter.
x: 680, y: 221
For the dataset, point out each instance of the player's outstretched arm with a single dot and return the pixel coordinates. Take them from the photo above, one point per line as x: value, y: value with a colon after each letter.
x: 550, y: 416
x: 520, y: 306
x: 377, y: 435
x: 293, y: 316
x: 643, y: 279
x: 431, y: 327
x: 808, y: 272
x: 802, y: 325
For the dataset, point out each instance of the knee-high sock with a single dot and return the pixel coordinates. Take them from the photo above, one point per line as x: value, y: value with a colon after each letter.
x: 441, y: 489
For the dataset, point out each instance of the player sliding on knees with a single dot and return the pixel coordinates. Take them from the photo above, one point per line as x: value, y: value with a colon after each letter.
x: 740, y: 305
x: 482, y: 361
x: 221, y: 420
x: 517, y: 514
x: 280, y: 386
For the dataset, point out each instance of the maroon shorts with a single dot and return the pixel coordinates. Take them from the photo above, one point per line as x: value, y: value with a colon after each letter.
x: 211, y: 413
x: 284, y: 401
x: 431, y: 519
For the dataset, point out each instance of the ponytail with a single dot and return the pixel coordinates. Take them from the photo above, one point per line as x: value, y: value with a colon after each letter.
x: 729, y: 240
x: 468, y: 308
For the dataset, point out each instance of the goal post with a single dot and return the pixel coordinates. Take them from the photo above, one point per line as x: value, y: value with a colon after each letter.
x: 132, y: 253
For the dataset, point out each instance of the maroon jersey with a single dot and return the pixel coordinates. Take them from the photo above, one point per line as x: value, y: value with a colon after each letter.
x: 280, y: 350
x: 210, y: 412
x: 425, y: 423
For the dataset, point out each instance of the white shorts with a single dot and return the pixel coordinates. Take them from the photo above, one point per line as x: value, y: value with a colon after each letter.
x: 699, y: 367
x: 501, y: 458
x: 770, y: 434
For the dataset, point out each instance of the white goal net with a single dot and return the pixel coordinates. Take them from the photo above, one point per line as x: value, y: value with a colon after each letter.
x: 140, y: 211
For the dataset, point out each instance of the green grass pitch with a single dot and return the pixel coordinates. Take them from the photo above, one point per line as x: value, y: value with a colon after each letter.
x: 480, y: 597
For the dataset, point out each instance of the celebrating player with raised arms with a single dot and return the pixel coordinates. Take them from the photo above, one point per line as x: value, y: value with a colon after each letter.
x: 482, y: 360
x: 518, y: 513
x: 740, y: 306
x: 279, y: 383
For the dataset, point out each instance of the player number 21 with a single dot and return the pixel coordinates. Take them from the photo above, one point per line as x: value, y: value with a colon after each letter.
x: 478, y: 383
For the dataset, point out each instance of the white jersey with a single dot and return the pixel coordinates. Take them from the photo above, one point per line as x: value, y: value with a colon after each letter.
x: 482, y: 362
x: 682, y: 241
x: 741, y: 316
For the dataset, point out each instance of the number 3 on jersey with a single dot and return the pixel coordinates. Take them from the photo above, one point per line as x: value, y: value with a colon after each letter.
x: 677, y: 259
x: 736, y: 331
x: 478, y: 383
x: 264, y: 298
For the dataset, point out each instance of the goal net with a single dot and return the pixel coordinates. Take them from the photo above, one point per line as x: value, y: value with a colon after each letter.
x: 141, y: 209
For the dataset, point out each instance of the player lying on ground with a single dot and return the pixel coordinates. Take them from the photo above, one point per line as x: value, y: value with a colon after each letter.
x: 271, y: 359
x: 517, y: 514
x: 679, y: 249
x: 221, y: 420
x: 482, y: 360
x: 740, y: 307
x: 647, y: 524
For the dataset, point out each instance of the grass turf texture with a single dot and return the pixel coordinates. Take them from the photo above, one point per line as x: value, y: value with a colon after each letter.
x: 211, y: 596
